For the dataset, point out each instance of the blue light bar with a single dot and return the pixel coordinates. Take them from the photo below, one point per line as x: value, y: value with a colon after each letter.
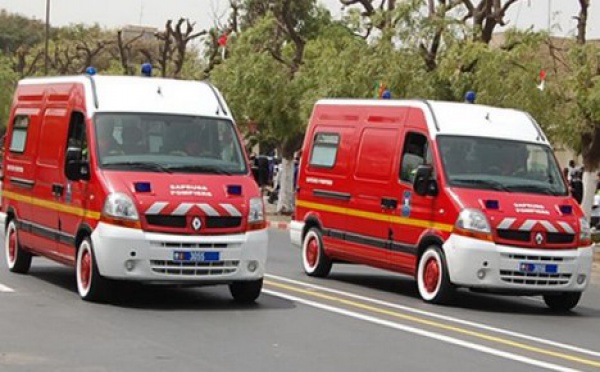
x: 566, y: 209
x: 142, y: 187
x: 234, y: 189
x: 492, y: 204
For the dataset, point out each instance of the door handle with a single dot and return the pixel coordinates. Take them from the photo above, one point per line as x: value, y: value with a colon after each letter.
x: 389, y: 203
x: 57, y: 189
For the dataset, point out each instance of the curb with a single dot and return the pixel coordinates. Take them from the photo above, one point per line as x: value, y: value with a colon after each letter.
x: 278, y: 225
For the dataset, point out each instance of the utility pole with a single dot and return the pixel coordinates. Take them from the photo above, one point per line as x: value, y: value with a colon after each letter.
x: 47, y: 37
x: 549, y: 15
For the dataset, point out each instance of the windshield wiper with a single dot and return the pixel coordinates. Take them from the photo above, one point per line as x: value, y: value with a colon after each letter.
x: 534, y: 188
x: 199, y: 168
x: 139, y: 165
x: 487, y: 183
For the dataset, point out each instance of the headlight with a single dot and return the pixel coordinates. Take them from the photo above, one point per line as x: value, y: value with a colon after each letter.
x: 256, y: 214
x: 585, y: 232
x: 118, y: 205
x: 474, y: 224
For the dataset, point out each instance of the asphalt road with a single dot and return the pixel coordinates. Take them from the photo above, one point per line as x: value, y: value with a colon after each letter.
x: 358, y: 319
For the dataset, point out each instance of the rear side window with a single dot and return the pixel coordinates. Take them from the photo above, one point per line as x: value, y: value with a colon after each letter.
x: 19, y: 134
x: 415, y: 153
x: 324, y: 151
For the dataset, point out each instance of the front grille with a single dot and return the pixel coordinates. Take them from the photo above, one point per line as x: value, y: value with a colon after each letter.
x: 178, y: 268
x: 538, y: 279
x: 517, y: 235
x: 223, y: 222
x: 530, y: 258
x: 166, y: 221
x: 560, y: 238
x: 190, y: 245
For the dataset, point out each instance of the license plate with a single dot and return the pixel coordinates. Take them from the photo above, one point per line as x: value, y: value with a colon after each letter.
x: 193, y: 256
x: 526, y: 267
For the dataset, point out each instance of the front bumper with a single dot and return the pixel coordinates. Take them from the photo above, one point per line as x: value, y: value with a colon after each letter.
x: 296, y: 228
x: 132, y: 254
x: 485, y: 265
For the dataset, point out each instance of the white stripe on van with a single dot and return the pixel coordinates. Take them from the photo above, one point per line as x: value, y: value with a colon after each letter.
x: 568, y: 229
x: 549, y: 226
x: 506, y: 223
x: 233, y: 211
x: 528, y: 225
x: 156, y: 208
x: 210, y: 211
x: 182, y: 209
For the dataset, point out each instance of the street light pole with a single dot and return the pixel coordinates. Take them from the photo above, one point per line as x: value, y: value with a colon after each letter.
x: 47, y: 37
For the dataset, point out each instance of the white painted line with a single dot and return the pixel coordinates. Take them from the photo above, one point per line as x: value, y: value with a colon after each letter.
x: 4, y: 288
x: 442, y: 317
x: 424, y: 333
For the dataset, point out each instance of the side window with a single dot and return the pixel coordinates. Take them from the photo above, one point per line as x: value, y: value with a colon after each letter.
x: 19, y: 134
x: 77, y: 134
x: 324, y: 150
x: 415, y: 153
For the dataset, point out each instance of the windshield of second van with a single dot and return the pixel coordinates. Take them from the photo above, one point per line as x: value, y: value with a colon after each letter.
x: 168, y: 143
x: 502, y: 165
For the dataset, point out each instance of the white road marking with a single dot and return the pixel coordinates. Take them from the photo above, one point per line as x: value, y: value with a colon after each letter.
x: 4, y: 288
x: 442, y: 317
x: 424, y: 333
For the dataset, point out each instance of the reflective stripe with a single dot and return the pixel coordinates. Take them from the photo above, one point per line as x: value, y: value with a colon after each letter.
x: 528, y: 225
x: 506, y: 223
x: 60, y: 207
x: 182, y: 209
x: 231, y: 210
x: 210, y: 211
x: 568, y: 229
x: 156, y: 208
x: 549, y: 226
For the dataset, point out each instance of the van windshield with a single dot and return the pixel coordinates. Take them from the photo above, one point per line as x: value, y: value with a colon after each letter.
x: 168, y: 143
x: 502, y: 165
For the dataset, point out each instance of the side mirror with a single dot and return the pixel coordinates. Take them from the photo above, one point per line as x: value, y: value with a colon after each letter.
x: 423, y: 184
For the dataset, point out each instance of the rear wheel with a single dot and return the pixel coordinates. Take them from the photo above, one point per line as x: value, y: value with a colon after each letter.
x: 432, y: 277
x: 17, y: 260
x: 562, y: 302
x: 91, y: 286
x: 314, y: 260
x: 246, y: 292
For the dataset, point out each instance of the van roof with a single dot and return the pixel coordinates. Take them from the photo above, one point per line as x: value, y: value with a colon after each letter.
x: 463, y: 119
x: 144, y: 94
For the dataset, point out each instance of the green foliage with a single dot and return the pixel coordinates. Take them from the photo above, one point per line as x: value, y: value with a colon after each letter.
x: 17, y: 31
x: 8, y: 80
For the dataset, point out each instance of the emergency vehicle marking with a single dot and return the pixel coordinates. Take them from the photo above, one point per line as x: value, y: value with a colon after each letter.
x: 319, y: 181
x: 51, y: 205
x: 233, y: 211
x: 156, y: 208
x: 190, y: 190
x: 210, y: 211
x: 377, y: 216
x: 531, y: 208
x: 566, y: 227
x: 528, y: 225
x: 14, y: 168
x: 182, y: 209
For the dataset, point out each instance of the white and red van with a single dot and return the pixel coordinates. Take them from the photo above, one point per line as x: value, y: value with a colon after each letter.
x: 131, y: 178
x: 454, y: 194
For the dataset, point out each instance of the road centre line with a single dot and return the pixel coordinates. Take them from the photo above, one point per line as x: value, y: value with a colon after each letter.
x: 5, y: 289
x: 441, y: 317
x: 422, y: 332
x: 439, y: 325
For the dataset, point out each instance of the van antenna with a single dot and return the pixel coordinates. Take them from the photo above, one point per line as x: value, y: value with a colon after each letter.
x: 221, y: 106
x: 94, y: 94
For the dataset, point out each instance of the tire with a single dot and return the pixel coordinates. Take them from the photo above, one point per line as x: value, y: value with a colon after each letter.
x: 314, y: 260
x: 433, y: 280
x: 17, y: 259
x: 246, y: 292
x: 91, y: 286
x: 563, y: 302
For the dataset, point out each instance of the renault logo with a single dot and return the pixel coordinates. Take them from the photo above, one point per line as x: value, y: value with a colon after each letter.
x: 196, y: 223
x: 539, y: 238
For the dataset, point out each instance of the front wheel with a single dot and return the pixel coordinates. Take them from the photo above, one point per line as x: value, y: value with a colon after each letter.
x: 562, y: 302
x: 432, y: 277
x: 91, y: 286
x: 17, y: 260
x: 314, y: 260
x: 246, y: 292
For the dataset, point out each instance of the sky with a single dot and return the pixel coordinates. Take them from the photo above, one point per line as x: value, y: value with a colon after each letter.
x: 117, y: 13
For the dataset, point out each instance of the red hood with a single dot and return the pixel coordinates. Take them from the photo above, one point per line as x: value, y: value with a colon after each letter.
x: 528, y: 220
x: 174, y: 200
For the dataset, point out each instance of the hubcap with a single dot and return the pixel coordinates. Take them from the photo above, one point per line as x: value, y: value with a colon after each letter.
x: 85, y: 269
x: 311, y: 252
x: 431, y: 275
x: 12, y: 246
